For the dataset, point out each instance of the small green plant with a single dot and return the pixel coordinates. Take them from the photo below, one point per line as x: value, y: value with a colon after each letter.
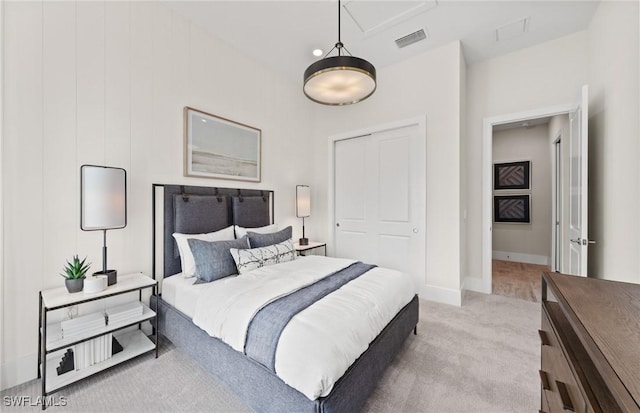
x: 76, y: 269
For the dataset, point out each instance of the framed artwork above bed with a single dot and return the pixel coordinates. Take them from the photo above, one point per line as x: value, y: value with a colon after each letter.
x: 215, y: 147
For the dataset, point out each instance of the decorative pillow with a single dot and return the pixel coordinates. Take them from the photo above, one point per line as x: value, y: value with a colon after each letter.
x: 250, y: 259
x: 257, y: 240
x: 186, y: 257
x: 242, y: 231
x: 213, y: 260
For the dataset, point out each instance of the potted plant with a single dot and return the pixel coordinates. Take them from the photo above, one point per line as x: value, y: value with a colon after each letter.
x: 74, y: 274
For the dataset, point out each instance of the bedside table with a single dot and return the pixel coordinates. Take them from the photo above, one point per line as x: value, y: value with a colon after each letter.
x: 302, y: 249
x: 54, y: 344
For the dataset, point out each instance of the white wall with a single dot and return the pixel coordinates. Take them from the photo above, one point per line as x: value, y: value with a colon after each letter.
x: 426, y: 84
x: 541, y: 76
x: 533, y: 239
x: 105, y: 83
x: 614, y: 149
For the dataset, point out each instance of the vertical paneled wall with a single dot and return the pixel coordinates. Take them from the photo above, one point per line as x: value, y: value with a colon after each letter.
x: 105, y: 83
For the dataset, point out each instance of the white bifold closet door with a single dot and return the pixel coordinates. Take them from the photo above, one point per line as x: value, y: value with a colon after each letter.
x: 380, y: 200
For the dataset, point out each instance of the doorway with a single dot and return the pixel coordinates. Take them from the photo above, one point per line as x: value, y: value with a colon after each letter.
x: 522, y: 196
x: 378, y: 196
x: 487, y: 176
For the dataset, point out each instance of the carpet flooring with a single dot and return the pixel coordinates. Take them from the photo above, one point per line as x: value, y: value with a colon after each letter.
x: 516, y: 279
x: 481, y: 357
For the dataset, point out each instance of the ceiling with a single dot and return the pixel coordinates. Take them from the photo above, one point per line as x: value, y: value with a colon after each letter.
x: 282, y: 34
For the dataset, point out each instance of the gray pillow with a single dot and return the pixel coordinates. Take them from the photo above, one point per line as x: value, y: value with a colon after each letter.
x: 213, y: 259
x: 264, y: 240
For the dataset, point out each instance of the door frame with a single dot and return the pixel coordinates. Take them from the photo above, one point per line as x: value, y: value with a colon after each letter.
x: 419, y: 121
x: 487, y: 177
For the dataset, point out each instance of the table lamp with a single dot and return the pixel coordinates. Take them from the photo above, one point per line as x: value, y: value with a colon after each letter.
x: 103, y: 205
x: 303, y: 208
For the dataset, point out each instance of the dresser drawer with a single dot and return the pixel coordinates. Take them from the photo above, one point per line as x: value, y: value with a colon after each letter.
x: 561, y: 388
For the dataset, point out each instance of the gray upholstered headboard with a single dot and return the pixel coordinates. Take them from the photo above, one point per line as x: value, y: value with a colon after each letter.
x: 201, y: 209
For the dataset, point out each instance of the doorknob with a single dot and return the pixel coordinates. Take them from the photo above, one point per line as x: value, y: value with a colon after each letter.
x: 415, y: 230
x: 337, y: 224
x: 582, y: 241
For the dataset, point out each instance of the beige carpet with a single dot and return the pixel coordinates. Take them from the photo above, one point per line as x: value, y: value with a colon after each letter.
x: 516, y: 279
x: 481, y: 357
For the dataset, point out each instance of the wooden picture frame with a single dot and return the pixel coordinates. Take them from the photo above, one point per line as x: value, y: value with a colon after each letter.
x: 219, y: 148
x: 512, y: 175
x: 512, y: 209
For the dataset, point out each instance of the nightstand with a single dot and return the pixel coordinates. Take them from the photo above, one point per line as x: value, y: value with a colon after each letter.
x: 302, y: 249
x: 94, y: 340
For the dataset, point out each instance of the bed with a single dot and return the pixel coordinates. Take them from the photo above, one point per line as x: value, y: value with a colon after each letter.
x: 194, y: 210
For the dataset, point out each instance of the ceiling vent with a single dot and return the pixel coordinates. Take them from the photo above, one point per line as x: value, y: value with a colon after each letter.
x: 411, y: 38
x: 511, y: 30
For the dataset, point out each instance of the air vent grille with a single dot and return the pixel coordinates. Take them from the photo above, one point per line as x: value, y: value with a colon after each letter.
x: 411, y: 38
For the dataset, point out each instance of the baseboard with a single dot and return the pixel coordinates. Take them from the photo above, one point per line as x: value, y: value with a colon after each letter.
x: 441, y: 295
x: 18, y: 371
x: 474, y: 284
x: 519, y: 257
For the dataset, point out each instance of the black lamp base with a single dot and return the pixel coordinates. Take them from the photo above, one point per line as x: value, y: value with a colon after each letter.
x: 303, y: 241
x: 112, y: 276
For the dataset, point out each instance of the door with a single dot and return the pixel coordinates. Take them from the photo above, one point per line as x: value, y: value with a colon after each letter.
x: 557, y: 206
x: 578, y: 180
x: 379, y: 194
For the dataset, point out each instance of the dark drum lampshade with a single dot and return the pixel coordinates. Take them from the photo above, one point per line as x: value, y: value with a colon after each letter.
x: 339, y: 80
x: 103, y: 205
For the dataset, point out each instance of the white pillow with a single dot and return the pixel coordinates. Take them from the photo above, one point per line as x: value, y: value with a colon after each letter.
x: 241, y: 231
x: 186, y: 257
x: 250, y: 259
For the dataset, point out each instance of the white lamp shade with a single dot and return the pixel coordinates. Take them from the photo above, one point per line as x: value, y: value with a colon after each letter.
x: 303, y: 201
x: 103, y: 198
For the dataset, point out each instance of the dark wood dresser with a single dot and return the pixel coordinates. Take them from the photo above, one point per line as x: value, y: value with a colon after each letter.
x: 590, y: 338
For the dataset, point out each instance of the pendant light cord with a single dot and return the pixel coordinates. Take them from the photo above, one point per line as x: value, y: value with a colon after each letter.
x: 338, y: 45
x: 339, y: 42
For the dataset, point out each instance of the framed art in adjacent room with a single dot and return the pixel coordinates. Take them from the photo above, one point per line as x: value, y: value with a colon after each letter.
x: 512, y: 175
x: 512, y: 209
x: 220, y: 148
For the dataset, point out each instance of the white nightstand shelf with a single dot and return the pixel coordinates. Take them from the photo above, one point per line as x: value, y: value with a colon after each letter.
x: 302, y: 249
x: 134, y: 343
x: 52, y: 346
x: 56, y: 342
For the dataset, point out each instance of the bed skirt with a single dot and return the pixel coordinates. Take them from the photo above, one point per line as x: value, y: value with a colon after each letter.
x: 265, y: 392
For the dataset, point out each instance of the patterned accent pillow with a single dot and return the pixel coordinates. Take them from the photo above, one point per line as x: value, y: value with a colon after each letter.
x: 257, y: 240
x: 250, y: 259
x: 213, y: 260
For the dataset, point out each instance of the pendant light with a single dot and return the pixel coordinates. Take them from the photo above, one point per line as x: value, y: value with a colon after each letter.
x: 339, y: 80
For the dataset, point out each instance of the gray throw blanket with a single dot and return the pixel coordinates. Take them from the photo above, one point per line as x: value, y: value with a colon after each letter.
x: 267, y: 324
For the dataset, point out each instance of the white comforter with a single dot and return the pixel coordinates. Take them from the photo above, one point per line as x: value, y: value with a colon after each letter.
x: 314, y: 351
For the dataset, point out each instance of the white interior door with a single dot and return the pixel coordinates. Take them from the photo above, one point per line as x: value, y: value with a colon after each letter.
x: 379, y: 195
x: 578, y: 180
x: 556, y: 229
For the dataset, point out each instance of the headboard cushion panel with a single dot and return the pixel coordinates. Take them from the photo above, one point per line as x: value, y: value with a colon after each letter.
x: 203, y: 213
x: 199, y: 214
x: 250, y: 211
